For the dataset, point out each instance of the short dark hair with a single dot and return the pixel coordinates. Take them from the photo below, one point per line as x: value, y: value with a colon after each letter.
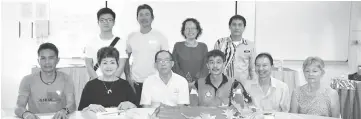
x: 195, y: 21
x: 145, y: 6
x: 215, y: 53
x: 105, y: 11
x: 266, y: 55
x: 237, y: 17
x: 48, y: 46
x: 160, y: 51
x: 106, y: 52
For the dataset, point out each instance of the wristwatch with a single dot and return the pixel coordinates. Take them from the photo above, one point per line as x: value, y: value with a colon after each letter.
x: 66, y: 110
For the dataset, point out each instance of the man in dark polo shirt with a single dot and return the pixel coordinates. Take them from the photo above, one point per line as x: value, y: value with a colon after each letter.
x: 213, y: 90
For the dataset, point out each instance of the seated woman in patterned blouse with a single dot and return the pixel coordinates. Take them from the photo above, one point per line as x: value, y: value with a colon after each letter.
x: 314, y: 98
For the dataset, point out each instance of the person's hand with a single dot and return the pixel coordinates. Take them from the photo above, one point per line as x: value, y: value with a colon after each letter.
x: 29, y: 115
x: 191, y: 85
x: 88, y: 61
x: 61, y: 115
x: 95, y: 108
x: 126, y: 105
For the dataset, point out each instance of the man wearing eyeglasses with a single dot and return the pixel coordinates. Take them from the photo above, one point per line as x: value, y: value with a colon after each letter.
x: 106, y: 21
x: 165, y: 87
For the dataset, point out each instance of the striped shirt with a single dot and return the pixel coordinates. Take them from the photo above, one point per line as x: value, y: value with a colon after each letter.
x: 240, y: 57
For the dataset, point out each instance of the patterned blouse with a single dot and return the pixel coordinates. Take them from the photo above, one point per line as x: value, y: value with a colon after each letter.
x: 319, y: 104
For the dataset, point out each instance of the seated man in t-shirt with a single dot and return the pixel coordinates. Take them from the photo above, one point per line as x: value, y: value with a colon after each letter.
x: 47, y: 91
x: 165, y: 87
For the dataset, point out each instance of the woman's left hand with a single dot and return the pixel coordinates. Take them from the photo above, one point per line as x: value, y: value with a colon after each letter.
x: 126, y: 105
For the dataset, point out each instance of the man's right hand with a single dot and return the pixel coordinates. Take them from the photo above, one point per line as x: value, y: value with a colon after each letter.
x: 29, y: 115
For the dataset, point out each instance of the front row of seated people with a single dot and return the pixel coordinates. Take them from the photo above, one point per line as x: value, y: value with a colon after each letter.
x: 51, y: 91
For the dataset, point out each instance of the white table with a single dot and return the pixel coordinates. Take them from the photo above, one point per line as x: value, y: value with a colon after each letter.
x: 142, y: 113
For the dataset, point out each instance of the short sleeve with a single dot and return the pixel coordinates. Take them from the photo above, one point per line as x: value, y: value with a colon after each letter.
x: 122, y: 48
x: 146, y: 97
x: 24, y: 89
x: 87, y: 47
x: 128, y: 42
x: 183, y: 91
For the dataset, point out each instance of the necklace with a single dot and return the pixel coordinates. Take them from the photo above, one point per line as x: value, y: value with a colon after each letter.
x: 48, y: 83
x: 108, y: 90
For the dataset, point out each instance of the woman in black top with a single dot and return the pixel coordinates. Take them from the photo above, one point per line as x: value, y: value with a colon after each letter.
x: 107, y: 90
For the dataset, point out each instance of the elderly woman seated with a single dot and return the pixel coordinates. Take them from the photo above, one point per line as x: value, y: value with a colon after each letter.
x: 314, y: 98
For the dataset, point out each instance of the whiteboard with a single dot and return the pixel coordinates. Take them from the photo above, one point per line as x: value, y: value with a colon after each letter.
x: 212, y: 15
x: 296, y: 30
x: 71, y: 24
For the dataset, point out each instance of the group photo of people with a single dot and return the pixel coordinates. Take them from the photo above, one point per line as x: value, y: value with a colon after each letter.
x: 142, y: 71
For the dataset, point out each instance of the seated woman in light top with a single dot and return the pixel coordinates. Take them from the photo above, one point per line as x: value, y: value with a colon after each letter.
x: 189, y: 55
x: 314, y: 98
x: 107, y: 90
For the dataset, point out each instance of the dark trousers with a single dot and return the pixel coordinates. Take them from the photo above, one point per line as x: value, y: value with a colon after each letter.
x: 138, y: 92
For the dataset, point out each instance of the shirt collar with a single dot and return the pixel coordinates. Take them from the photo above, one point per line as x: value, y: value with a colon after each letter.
x: 157, y: 75
x: 243, y: 41
x: 273, y: 82
x: 224, y: 80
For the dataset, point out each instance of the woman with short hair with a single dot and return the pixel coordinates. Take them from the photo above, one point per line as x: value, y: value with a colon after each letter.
x: 314, y: 98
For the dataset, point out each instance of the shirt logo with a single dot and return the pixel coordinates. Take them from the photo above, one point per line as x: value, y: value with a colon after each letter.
x: 51, y: 98
x: 208, y: 94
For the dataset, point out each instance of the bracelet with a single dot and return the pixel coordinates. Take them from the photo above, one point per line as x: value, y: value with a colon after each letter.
x: 66, y: 110
x: 22, y: 115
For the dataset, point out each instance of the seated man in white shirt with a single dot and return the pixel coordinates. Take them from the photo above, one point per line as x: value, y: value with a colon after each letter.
x: 165, y: 87
x: 269, y: 94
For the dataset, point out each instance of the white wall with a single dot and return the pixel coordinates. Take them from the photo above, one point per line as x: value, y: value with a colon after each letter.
x: 17, y: 63
x: 355, y: 34
x: 307, y: 28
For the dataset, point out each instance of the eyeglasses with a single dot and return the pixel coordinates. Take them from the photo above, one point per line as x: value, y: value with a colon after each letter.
x: 190, y: 29
x: 163, y: 61
x: 106, y: 20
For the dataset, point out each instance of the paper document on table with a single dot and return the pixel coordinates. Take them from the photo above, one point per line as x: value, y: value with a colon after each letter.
x: 46, y: 115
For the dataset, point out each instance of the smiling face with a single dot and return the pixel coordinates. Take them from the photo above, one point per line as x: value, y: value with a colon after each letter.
x: 47, y: 60
x: 216, y: 65
x: 108, y: 66
x: 145, y: 18
x: 313, y: 73
x: 190, y: 30
x: 263, y: 67
x: 106, y: 22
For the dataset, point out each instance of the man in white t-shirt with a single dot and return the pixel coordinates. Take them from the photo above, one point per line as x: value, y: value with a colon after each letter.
x: 106, y: 21
x: 164, y: 87
x: 143, y: 45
